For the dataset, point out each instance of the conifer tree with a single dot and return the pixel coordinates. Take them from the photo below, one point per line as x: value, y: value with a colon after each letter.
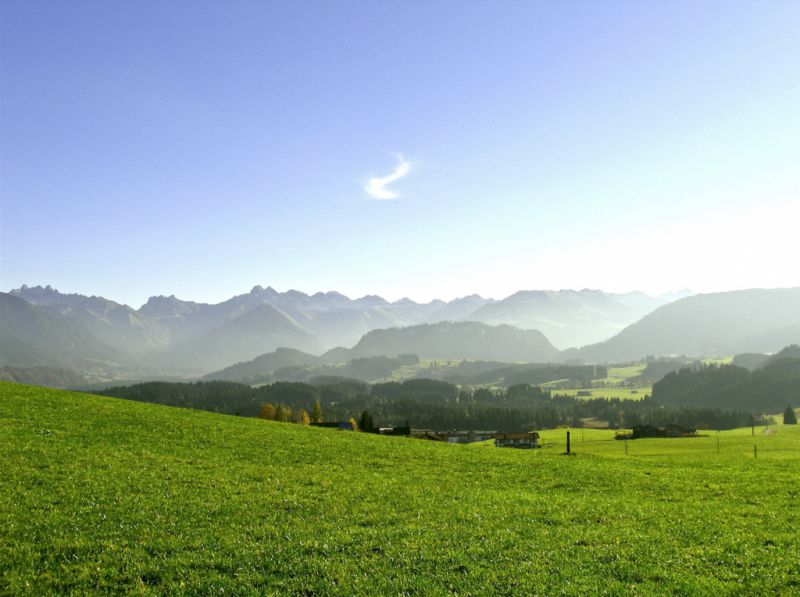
x: 365, y: 421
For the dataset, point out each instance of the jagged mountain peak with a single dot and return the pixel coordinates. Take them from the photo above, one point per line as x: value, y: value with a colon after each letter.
x: 190, y: 334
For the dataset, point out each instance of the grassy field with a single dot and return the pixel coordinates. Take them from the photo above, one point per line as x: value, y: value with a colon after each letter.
x: 621, y: 374
x: 102, y: 495
x: 622, y: 393
x: 412, y: 371
x: 616, y: 376
x: 719, y: 361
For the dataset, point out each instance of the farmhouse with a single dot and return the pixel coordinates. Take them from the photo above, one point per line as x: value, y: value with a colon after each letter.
x: 468, y: 437
x: 517, y: 440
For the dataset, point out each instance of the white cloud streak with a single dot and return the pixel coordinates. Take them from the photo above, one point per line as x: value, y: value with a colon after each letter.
x: 376, y: 186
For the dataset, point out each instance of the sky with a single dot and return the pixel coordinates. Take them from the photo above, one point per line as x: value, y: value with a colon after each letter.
x: 420, y: 149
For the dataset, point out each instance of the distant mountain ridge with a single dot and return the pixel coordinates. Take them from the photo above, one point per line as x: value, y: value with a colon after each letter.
x: 41, y: 336
x: 715, y: 324
x: 569, y: 317
x: 174, y: 336
x: 167, y: 336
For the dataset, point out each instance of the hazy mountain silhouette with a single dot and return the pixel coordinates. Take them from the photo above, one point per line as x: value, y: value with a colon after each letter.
x: 458, y: 309
x: 568, y: 317
x: 111, y: 323
x: 259, y: 330
x: 171, y: 336
x: 266, y: 363
x: 718, y: 324
x: 33, y: 335
x: 43, y: 376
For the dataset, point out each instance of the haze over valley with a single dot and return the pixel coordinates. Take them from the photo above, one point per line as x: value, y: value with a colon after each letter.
x: 168, y: 337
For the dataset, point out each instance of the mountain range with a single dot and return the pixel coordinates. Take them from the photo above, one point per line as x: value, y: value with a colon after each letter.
x: 102, y: 339
x: 707, y: 325
x: 168, y: 334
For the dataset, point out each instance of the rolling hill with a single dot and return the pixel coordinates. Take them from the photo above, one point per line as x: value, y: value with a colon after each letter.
x: 462, y: 340
x: 770, y: 387
x: 717, y: 324
x: 103, y: 495
x: 264, y: 364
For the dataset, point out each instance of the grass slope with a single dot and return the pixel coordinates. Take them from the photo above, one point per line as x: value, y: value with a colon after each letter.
x: 105, y: 495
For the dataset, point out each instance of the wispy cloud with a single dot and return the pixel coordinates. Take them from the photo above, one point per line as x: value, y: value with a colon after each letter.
x: 376, y: 186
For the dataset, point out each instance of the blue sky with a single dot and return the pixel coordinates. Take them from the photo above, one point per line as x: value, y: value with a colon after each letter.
x: 202, y: 148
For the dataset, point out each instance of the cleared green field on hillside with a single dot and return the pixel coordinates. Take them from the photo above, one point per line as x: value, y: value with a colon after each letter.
x: 621, y: 374
x: 621, y: 393
x: 105, y: 495
x: 719, y: 361
x: 412, y: 371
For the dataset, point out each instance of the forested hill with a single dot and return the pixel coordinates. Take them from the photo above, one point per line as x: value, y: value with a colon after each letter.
x: 463, y: 340
x: 715, y: 324
x: 265, y: 364
x: 768, y: 389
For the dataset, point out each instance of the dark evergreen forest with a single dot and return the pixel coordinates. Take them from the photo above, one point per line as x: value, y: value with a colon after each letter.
x: 432, y: 404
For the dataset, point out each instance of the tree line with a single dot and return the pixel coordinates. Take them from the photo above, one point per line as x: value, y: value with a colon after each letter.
x: 425, y: 403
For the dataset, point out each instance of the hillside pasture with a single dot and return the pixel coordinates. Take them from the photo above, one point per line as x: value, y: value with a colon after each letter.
x: 101, y: 495
x: 608, y: 393
x: 618, y: 375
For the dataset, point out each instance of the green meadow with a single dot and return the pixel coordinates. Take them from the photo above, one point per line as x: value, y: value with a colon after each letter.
x: 621, y: 393
x: 621, y: 374
x: 411, y: 371
x: 102, y: 495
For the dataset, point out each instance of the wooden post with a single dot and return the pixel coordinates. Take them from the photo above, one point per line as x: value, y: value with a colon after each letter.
x: 568, y: 447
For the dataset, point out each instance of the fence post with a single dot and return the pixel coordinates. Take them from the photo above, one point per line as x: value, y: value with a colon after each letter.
x: 568, y: 446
